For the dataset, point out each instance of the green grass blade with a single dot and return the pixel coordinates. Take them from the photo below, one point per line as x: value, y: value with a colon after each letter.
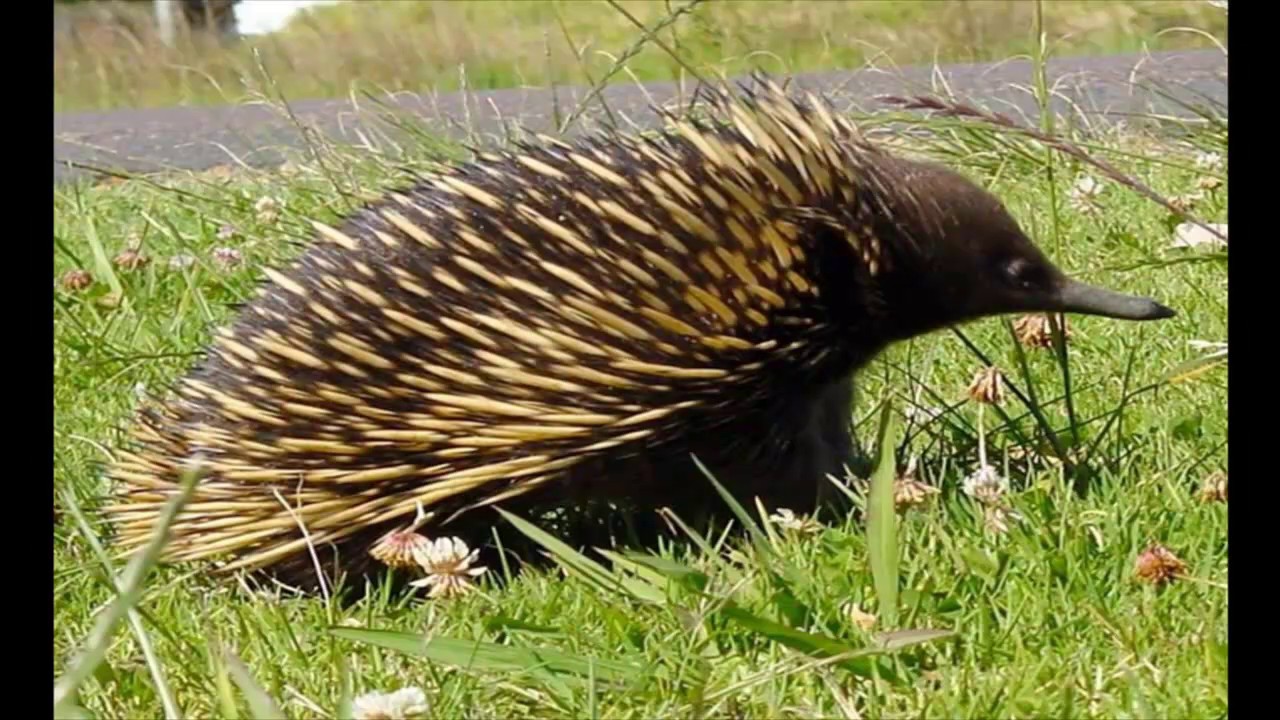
x: 226, y: 696
x: 882, y: 540
x: 900, y: 639
x: 581, y: 566
x: 131, y: 587
x: 171, y: 709
x: 759, y: 539
x: 709, y: 551
x: 261, y: 705
x: 679, y: 572
x: 859, y: 661
x: 101, y: 262
x: 72, y: 711
x: 640, y: 580
x: 489, y: 657
x: 503, y: 623
x: 1195, y: 367
x: 348, y: 691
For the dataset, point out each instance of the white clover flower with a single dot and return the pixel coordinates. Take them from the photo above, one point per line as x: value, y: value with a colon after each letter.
x: 1084, y: 195
x: 788, y: 520
x: 399, y: 705
x: 227, y: 257
x: 267, y: 209
x: 447, y: 562
x: 987, y: 486
x: 1208, y: 160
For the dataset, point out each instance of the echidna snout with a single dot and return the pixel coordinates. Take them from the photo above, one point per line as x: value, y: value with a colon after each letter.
x: 961, y: 256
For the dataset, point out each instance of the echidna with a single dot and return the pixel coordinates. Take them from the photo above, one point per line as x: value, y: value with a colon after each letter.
x: 568, y: 322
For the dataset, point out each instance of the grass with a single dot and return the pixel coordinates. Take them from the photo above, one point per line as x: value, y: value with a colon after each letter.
x: 1044, y: 620
x: 440, y: 46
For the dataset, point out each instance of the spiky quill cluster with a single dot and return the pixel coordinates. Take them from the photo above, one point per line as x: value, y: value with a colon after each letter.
x: 509, y: 322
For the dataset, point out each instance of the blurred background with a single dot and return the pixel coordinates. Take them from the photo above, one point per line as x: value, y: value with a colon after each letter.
x: 111, y: 54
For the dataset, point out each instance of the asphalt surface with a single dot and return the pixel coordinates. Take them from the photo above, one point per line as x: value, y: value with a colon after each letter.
x: 1099, y: 89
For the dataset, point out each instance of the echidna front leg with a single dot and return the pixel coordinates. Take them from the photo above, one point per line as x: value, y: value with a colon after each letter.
x: 782, y: 457
x: 836, y: 450
x: 823, y: 446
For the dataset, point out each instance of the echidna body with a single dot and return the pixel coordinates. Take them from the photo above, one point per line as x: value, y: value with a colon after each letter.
x: 573, y: 321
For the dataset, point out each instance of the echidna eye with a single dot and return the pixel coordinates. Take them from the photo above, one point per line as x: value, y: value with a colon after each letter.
x: 1022, y: 273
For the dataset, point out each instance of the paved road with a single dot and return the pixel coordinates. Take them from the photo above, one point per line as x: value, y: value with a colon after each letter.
x: 1100, y: 88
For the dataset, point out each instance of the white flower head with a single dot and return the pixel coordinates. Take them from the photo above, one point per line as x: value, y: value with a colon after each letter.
x: 447, y: 562
x: 1208, y: 160
x: 181, y: 261
x: 402, y: 704
x: 1084, y: 194
x: 786, y: 519
x: 987, y: 486
x: 227, y: 257
x: 267, y: 209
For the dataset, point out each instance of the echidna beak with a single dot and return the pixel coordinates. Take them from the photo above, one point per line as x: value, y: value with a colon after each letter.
x: 1077, y: 297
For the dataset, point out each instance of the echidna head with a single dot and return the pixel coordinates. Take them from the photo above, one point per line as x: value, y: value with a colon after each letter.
x: 958, y: 255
